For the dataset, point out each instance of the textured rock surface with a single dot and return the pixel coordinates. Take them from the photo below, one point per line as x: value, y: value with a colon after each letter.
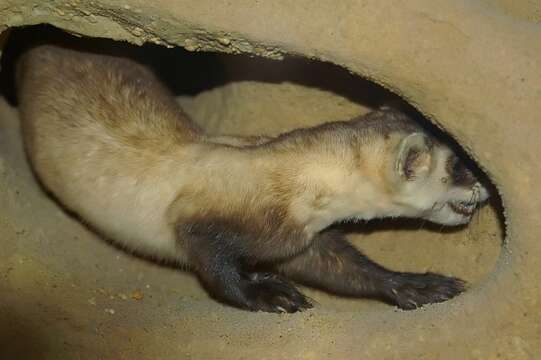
x: 470, y: 66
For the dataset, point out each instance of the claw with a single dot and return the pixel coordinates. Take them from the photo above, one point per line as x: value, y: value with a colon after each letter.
x: 270, y: 293
x: 410, y: 291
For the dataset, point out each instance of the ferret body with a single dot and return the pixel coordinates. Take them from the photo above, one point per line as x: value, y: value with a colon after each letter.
x: 112, y: 145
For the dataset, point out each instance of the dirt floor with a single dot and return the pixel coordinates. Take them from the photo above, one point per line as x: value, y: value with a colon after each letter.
x: 472, y: 66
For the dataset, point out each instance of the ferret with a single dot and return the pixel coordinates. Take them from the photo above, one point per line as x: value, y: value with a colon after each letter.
x: 249, y: 215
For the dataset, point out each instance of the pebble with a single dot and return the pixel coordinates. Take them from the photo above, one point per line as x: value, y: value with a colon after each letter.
x: 224, y: 41
x: 137, y: 295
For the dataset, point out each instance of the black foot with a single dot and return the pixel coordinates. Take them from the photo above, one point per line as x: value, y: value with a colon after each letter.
x: 410, y: 291
x: 269, y: 293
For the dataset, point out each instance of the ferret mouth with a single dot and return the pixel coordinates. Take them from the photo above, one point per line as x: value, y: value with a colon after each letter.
x: 462, y: 207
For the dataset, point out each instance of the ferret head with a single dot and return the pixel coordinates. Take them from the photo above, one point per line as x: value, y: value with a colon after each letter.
x: 431, y: 182
x: 380, y: 165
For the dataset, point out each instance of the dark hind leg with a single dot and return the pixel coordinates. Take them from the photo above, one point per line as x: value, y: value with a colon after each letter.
x: 216, y: 254
x: 332, y: 264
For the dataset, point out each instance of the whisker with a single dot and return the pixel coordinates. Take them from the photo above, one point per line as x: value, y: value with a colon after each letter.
x: 478, y: 206
x: 441, y: 229
x: 473, y: 195
x: 441, y: 206
x: 423, y: 222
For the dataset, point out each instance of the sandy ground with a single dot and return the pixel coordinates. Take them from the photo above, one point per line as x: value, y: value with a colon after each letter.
x: 68, y: 294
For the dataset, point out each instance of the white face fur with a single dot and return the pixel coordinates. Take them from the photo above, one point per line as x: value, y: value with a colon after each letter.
x: 434, y: 184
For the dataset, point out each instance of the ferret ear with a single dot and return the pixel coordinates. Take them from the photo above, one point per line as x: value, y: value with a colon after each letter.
x: 414, y: 157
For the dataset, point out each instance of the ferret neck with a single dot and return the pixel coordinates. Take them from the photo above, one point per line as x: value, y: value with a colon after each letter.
x: 324, y: 188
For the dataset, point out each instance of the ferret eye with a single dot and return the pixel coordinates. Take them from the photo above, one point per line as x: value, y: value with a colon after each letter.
x: 459, y: 168
x: 459, y: 173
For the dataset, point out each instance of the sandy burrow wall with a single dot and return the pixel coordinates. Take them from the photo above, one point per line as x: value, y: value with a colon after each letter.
x: 472, y: 69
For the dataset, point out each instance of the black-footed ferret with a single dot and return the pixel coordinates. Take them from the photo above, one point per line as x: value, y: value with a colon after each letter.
x: 112, y: 145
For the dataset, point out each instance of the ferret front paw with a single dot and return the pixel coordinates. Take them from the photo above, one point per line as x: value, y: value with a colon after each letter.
x: 270, y: 293
x: 410, y: 291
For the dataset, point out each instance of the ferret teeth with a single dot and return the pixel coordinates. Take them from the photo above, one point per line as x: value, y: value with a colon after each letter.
x: 462, y: 207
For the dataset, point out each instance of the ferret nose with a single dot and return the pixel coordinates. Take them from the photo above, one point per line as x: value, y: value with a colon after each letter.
x: 483, y: 192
